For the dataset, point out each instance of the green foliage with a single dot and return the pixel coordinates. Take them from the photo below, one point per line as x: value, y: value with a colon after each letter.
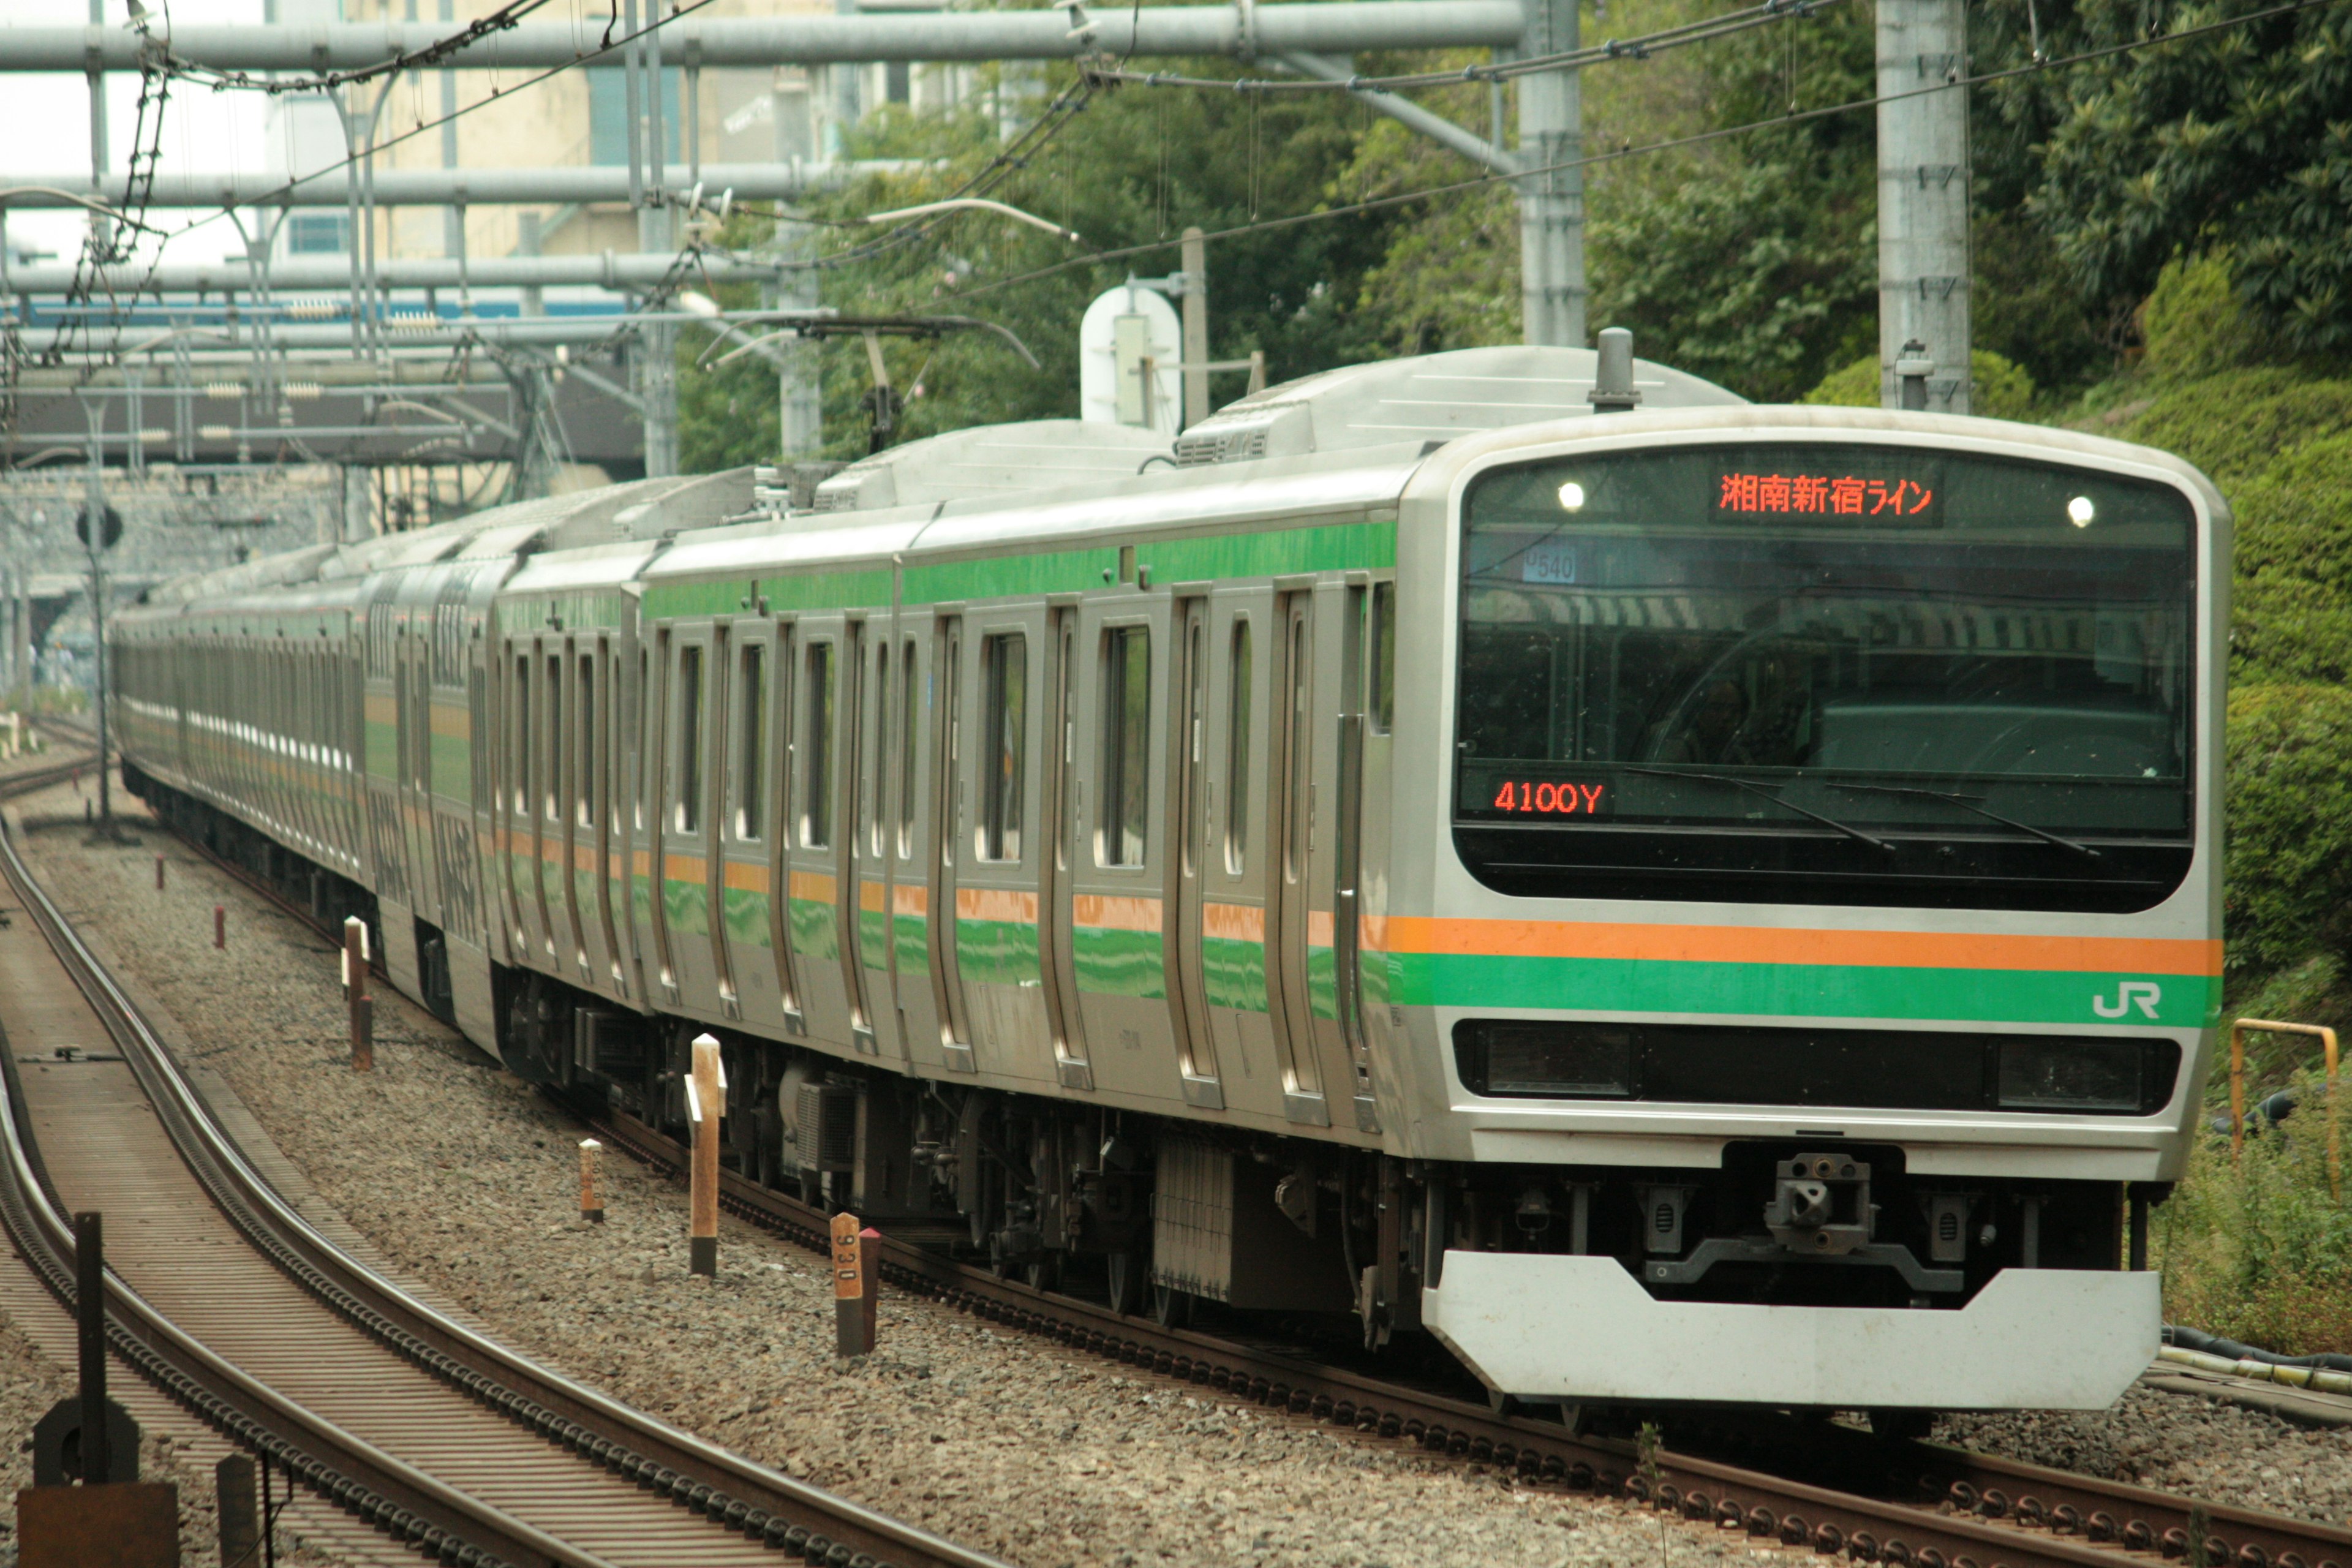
x: 729, y: 415
x: 2293, y: 618
x: 1757, y: 269
x: 2261, y: 1250
x: 2000, y: 391
x: 2234, y: 139
x: 1134, y: 168
x: 2236, y: 425
x: 2023, y: 306
x: 2195, y: 324
x: 2289, y: 788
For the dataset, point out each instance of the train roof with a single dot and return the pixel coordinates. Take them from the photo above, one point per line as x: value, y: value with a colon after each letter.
x: 991, y: 459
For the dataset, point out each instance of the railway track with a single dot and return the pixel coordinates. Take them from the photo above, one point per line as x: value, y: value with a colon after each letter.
x: 1918, y: 1505
x: 1907, y: 1504
x: 233, y: 1306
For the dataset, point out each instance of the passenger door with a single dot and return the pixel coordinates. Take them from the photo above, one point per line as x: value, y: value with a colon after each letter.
x: 1301, y: 920
x: 1063, y: 823
x: 872, y: 849
x: 996, y: 861
x: 1238, y: 908
x: 682, y: 869
x: 950, y: 810
x: 1190, y: 746
x: 747, y: 920
x: 815, y: 885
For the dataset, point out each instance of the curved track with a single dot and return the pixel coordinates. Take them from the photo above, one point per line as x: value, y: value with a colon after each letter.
x: 228, y: 1301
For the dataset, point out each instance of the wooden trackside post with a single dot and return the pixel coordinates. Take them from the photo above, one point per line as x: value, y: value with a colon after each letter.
x: 158, y: 873
x: 220, y: 925
x: 355, y: 993
x: 706, y: 1102
x: 848, y: 1287
x: 592, y: 1207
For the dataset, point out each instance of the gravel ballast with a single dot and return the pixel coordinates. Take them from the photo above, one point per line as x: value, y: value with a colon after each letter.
x: 466, y: 1181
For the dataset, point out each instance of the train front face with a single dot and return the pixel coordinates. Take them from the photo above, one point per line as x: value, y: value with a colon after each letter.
x: 1821, y: 966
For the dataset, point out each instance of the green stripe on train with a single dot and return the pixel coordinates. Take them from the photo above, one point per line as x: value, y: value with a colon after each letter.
x: 1334, y: 547
x: 1796, y: 990
x: 688, y: 907
x: 1233, y: 972
x: 745, y: 910
x: 997, y: 953
x: 814, y: 934
x: 872, y: 939
x: 1118, y: 963
x: 914, y: 937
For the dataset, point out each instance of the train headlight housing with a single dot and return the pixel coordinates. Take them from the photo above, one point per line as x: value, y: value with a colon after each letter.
x: 2072, y: 1075
x: 1545, y: 1058
x: 1571, y: 497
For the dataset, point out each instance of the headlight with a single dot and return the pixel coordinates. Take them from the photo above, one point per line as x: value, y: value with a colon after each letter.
x: 2071, y: 1075
x: 1498, y: 1057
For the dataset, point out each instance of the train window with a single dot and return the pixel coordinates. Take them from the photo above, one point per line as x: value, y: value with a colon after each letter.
x: 1196, y: 690
x: 550, y: 783
x: 521, y: 734
x: 1126, y: 744
x: 583, y: 765
x: 816, y: 757
x: 1796, y: 672
x: 752, y: 768
x: 875, y: 807
x: 910, y: 709
x: 1004, y: 668
x: 1237, y: 755
x: 1383, y: 702
x: 1295, y: 755
x: 688, y: 815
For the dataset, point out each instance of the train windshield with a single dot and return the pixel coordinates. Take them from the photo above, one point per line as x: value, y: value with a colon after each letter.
x: 1826, y: 673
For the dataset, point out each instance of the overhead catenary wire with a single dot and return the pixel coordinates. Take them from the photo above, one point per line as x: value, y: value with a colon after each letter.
x: 220, y: 81
x: 1490, y: 180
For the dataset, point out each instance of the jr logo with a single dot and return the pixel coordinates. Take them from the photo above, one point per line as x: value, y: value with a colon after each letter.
x: 2146, y: 993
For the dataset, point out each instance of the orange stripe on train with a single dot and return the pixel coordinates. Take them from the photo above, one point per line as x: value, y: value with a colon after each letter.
x: 1006, y: 904
x: 1775, y: 945
x: 1115, y: 911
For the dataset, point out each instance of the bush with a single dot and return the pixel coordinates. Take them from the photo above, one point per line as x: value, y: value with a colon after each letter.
x: 2293, y: 618
x: 1999, y: 390
x: 2195, y: 324
x: 2236, y: 423
x: 2289, y: 792
x: 2260, y: 1248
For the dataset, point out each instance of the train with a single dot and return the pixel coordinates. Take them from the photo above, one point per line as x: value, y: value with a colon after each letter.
x: 1671, y: 900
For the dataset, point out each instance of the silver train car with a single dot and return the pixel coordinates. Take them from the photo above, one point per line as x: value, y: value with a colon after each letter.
x: 1698, y: 902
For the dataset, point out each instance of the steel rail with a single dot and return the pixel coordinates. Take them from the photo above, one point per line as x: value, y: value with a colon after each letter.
x: 1931, y: 1505
x: 788, y: 1515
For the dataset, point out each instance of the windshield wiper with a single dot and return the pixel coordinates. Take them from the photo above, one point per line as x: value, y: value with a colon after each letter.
x: 1965, y: 804
x: 1735, y: 782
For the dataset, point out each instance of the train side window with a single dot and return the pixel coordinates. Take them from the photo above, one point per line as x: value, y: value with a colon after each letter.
x: 1126, y: 744
x: 1004, y: 671
x: 751, y: 767
x: 877, y: 808
x: 816, y: 757
x: 1383, y: 703
x: 910, y: 709
x: 551, y: 782
x: 1237, y: 755
x: 688, y: 815
x: 521, y: 734
x: 584, y: 762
